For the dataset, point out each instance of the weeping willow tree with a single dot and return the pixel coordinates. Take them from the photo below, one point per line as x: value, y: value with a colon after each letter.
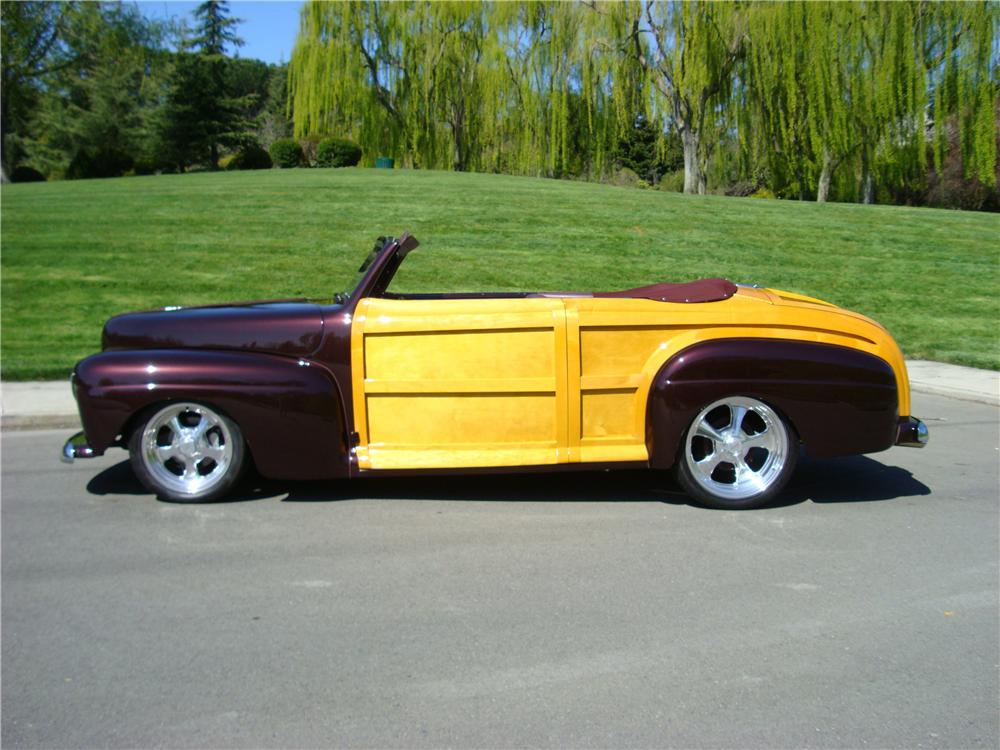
x: 834, y: 84
x: 346, y: 74
x: 527, y: 88
x: 963, y: 75
x: 689, y: 51
x: 834, y: 98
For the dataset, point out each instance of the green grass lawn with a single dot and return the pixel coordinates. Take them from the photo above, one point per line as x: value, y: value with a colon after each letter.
x: 75, y: 253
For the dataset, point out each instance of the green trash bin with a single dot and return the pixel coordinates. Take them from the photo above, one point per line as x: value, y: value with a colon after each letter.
x: 384, y: 162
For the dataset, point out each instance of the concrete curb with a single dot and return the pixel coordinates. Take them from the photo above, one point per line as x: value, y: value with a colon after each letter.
x: 40, y: 422
x: 50, y: 405
x: 954, y: 381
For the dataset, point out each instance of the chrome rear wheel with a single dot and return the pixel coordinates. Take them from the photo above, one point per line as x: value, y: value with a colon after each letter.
x: 187, y: 452
x: 737, y: 453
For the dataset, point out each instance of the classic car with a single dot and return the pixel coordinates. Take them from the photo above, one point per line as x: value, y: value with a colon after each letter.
x: 724, y: 384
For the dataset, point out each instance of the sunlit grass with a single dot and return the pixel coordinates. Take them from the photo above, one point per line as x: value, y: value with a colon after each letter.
x: 74, y: 253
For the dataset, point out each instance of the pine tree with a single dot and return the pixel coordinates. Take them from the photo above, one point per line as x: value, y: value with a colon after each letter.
x: 201, y: 114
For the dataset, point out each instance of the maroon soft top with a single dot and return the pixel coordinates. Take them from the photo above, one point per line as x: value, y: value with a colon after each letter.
x: 702, y: 290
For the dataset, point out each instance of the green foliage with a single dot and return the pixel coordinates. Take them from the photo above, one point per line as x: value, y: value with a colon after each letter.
x: 511, y: 87
x: 93, y: 117
x: 337, y: 152
x: 90, y: 163
x: 834, y: 101
x: 249, y: 81
x: 274, y: 120
x: 202, y: 112
x: 763, y: 193
x: 145, y: 167
x: 808, y: 93
x: 250, y: 156
x: 32, y: 36
x: 845, y: 87
x: 672, y: 182
x: 286, y: 153
x: 216, y: 30
x: 643, y: 149
x: 624, y: 177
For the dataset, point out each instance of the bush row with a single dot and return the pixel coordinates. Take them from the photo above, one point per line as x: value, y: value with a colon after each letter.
x: 286, y: 153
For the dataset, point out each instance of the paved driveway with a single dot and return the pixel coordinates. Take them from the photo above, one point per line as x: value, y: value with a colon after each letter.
x: 564, y: 610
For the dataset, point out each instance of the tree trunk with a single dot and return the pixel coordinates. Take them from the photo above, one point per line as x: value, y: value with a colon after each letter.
x: 457, y: 133
x: 214, y: 157
x: 867, y: 182
x: 694, y: 181
x: 823, y: 188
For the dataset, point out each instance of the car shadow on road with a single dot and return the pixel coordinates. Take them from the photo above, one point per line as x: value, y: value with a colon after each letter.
x: 842, y: 480
x: 851, y: 479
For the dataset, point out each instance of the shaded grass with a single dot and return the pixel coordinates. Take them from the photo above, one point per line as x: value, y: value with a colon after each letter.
x: 75, y: 253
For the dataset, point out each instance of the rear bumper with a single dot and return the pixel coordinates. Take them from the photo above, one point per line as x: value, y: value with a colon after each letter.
x: 77, y: 447
x: 911, y: 433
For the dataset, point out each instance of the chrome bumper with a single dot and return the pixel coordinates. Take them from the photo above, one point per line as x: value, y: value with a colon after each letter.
x: 76, y: 447
x: 911, y: 433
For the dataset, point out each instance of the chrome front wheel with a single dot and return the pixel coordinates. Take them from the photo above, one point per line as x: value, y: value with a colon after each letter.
x: 187, y: 452
x: 737, y: 453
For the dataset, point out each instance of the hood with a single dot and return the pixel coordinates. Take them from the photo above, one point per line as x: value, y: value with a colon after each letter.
x: 291, y: 328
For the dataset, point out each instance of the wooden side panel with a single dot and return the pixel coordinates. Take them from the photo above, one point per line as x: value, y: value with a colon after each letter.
x: 611, y: 363
x: 460, y: 383
x: 622, y: 343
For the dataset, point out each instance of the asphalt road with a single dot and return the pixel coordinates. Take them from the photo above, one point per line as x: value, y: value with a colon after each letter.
x: 556, y: 611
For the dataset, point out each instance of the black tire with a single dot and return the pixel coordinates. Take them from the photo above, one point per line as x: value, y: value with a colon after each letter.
x: 737, y: 464
x: 187, y: 452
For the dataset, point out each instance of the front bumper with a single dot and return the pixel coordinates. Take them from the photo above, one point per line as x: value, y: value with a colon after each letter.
x: 77, y: 447
x: 911, y: 433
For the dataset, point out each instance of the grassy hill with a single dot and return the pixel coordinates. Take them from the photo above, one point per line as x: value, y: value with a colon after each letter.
x: 74, y: 253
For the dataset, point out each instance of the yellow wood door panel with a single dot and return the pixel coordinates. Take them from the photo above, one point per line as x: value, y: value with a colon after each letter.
x: 459, y: 383
x: 623, y: 343
x: 505, y: 382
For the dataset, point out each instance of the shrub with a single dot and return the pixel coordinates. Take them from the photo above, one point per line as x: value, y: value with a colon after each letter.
x: 624, y: 177
x: 338, y: 152
x: 144, y: 167
x: 763, y: 193
x: 286, y: 153
x: 26, y: 174
x: 251, y: 156
x: 741, y: 189
x: 226, y: 161
x: 100, y: 163
x: 672, y: 182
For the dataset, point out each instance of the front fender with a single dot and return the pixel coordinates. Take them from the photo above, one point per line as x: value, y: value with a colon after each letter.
x: 290, y: 411
x: 840, y: 401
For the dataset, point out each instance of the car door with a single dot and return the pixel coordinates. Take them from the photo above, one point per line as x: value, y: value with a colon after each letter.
x: 450, y: 383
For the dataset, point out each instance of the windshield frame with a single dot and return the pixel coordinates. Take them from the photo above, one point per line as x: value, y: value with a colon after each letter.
x: 379, y: 266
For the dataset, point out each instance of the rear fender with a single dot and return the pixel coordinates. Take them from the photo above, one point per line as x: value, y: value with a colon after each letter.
x: 840, y: 401
x: 290, y: 411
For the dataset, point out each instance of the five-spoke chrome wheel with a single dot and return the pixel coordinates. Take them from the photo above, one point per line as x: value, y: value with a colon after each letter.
x: 187, y: 452
x: 737, y: 453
